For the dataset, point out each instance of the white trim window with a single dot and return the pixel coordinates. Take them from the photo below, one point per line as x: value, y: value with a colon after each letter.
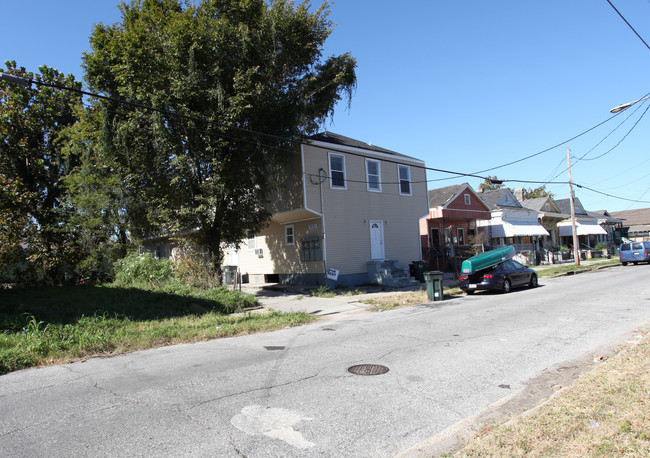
x: 337, y: 171
x: 250, y: 241
x: 373, y: 175
x: 289, y: 235
x: 468, y: 199
x: 404, y: 175
x: 460, y: 231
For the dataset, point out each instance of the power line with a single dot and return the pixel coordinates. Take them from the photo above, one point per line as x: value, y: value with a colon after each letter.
x: 551, y: 148
x: 26, y: 81
x: 612, y: 196
x: 621, y: 141
x: 23, y: 81
x: 628, y: 24
x: 582, y: 158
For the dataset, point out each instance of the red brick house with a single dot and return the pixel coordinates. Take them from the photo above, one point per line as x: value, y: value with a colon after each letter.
x: 444, y: 232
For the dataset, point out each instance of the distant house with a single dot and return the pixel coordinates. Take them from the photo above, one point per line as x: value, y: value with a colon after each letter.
x: 450, y: 227
x: 513, y: 224
x: 549, y: 216
x: 635, y: 224
x: 589, y: 231
x: 348, y: 215
x: 611, y: 225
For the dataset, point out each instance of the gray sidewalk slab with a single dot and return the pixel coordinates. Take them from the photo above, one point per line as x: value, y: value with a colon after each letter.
x: 293, y: 301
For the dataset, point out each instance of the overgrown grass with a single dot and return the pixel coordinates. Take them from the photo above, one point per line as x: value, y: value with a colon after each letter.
x: 604, y: 413
x: 323, y: 291
x: 54, y: 325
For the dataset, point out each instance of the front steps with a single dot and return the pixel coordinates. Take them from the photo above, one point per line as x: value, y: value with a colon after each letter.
x: 387, y: 272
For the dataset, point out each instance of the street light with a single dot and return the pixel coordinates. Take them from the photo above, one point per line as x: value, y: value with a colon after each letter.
x: 620, y: 108
x: 19, y: 80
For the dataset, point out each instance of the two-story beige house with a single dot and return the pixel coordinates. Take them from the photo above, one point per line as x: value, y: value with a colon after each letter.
x: 348, y: 215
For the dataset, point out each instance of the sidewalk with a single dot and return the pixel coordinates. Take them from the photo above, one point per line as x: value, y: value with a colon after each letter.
x: 295, y: 299
x: 287, y: 298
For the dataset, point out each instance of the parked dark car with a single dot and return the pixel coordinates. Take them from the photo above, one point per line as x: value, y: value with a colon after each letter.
x: 500, y: 277
x: 634, y: 252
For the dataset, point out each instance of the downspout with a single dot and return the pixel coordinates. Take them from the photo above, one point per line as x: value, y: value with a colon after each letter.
x: 322, y: 212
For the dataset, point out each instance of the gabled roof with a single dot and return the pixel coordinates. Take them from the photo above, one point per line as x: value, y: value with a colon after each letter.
x: 442, y: 197
x: 439, y: 197
x: 499, y: 198
x: 336, y: 139
x: 564, y: 205
x: 538, y: 203
x: 637, y: 217
x: 604, y: 217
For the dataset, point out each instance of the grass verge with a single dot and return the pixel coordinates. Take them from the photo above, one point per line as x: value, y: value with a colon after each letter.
x: 564, y: 268
x: 59, y: 325
x: 405, y: 299
x: 606, y: 412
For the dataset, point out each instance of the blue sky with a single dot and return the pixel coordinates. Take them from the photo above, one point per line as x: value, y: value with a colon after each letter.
x: 464, y: 85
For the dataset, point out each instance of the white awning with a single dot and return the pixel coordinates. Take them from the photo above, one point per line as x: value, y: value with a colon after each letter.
x: 518, y: 229
x: 582, y: 228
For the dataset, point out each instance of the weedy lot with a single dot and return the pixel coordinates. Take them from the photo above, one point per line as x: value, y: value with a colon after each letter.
x: 58, y: 325
x: 606, y: 412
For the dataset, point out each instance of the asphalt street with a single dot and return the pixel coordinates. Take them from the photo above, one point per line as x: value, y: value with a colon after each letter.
x: 289, y: 393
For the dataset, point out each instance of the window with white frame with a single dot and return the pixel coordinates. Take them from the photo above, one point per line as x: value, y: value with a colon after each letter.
x: 461, y: 236
x: 337, y: 171
x: 250, y: 241
x: 404, y: 174
x: 289, y: 235
x: 468, y: 199
x: 373, y: 175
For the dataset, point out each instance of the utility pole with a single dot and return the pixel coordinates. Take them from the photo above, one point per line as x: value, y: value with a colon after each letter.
x: 576, y: 244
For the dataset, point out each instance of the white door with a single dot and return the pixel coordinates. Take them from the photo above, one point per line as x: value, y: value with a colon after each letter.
x: 376, y: 239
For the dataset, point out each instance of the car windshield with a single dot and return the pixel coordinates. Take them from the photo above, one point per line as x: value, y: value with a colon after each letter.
x: 637, y: 246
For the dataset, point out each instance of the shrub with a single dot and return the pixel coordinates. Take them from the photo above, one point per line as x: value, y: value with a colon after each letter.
x: 194, y: 268
x: 323, y: 291
x: 601, y: 246
x: 230, y: 301
x: 141, y: 270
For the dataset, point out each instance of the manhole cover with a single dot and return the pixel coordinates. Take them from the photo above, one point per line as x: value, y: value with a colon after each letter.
x: 368, y: 369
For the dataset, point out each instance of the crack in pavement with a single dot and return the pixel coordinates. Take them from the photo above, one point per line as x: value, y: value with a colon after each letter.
x: 262, y: 388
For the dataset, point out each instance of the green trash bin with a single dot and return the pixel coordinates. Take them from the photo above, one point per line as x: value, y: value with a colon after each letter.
x: 433, y: 281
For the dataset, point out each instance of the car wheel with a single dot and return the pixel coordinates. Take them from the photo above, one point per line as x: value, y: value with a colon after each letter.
x: 624, y: 263
x: 635, y: 263
x: 469, y: 292
x: 506, y: 286
x: 533, y: 281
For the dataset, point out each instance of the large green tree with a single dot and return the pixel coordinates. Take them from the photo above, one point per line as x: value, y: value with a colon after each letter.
x: 99, y: 221
x: 236, y: 84
x: 33, y: 206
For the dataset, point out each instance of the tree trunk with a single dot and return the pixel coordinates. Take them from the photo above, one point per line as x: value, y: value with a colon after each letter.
x: 216, y: 254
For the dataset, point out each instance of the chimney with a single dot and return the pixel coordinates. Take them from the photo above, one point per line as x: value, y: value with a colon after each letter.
x: 519, y: 194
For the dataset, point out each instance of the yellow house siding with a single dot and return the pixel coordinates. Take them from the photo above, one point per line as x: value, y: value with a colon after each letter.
x: 277, y: 257
x: 349, y: 211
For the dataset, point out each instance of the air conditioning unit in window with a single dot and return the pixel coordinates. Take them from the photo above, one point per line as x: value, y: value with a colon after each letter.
x: 259, y: 252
